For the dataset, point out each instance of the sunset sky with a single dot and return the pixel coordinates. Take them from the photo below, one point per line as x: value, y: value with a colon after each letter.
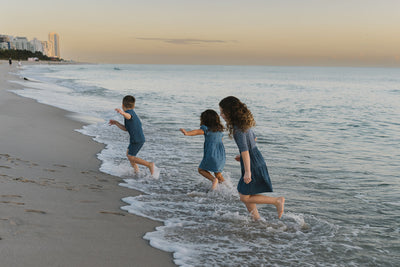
x: 259, y: 32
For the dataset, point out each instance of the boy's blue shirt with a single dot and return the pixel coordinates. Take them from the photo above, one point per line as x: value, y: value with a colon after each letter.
x: 134, y: 127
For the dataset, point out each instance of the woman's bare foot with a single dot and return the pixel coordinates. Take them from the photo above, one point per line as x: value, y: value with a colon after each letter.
x: 152, y: 168
x: 214, y: 184
x: 255, y: 215
x: 280, y: 206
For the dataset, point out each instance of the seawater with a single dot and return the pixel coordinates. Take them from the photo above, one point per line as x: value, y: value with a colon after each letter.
x: 330, y: 136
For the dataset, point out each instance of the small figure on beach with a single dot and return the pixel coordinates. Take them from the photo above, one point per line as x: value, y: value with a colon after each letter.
x: 10, y: 61
x: 133, y: 126
x: 255, y: 178
x: 214, y: 150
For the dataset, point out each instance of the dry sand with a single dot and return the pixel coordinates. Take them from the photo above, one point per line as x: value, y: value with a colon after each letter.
x: 56, y: 207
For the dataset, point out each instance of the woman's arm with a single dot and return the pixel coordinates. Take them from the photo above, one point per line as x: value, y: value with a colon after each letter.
x: 192, y: 133
x: 247, y: 170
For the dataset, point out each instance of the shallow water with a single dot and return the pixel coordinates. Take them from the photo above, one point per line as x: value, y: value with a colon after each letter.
x: 330, y: 137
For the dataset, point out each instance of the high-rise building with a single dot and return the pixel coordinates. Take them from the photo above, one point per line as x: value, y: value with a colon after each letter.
x: 54, y: 39
x: 21, y: 43
x: 36, y: 46
x: 5, y: 42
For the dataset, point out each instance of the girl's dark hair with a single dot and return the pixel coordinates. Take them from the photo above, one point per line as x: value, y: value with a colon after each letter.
x: 237, y: 114
x: 128, y: 101
x: 211, y: 119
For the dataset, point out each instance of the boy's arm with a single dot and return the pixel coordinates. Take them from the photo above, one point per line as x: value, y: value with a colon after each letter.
x: 123, y: 113
x: 118, y: 124
x: 192, y: 133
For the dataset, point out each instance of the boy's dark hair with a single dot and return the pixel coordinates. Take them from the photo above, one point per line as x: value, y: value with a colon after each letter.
x: 211, y: 119
x: 128, y: 101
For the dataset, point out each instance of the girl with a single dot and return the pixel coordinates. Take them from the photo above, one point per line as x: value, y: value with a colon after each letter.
x: 255, y: 178
x: 214, y: 150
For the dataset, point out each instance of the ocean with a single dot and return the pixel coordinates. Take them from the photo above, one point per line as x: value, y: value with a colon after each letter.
x: 330, y: 137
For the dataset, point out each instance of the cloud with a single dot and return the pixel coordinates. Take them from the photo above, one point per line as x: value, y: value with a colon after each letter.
x: 187, y: 41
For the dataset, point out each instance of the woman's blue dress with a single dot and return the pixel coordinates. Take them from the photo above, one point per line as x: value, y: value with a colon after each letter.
x: 260, y: 181
x: 214, y: 151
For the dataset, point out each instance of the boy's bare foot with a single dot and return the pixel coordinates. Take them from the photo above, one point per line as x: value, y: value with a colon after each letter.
x: 136, y: 168
x: 214, y: 184
x: 280, y: 206
x: 152, y: 168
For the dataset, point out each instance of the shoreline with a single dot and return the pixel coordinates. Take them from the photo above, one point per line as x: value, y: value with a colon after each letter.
x: 58, y: 209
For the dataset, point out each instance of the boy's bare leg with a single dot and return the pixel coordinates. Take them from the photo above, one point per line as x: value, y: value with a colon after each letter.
x: 136, y: 160
x: 135, y: 167
x: 133, y: 164
x: 210, y: 177
x: 219, y: 176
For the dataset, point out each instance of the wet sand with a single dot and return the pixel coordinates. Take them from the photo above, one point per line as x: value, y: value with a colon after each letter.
x: 56, y: 207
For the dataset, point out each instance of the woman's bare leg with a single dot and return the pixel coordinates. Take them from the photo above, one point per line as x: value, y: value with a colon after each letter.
x: 278, y: 202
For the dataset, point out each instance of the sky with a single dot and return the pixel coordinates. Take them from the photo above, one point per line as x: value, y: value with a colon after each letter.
x: 226, y: 32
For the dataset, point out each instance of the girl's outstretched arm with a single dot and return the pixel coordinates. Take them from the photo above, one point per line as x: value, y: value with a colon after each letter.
x: 192, y: 133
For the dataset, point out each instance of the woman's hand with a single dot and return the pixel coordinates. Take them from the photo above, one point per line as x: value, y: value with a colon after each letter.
x: 247, y: 177
x: 237, y: 158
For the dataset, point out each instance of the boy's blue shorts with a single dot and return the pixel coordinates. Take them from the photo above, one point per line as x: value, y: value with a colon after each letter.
x: 134, y: 148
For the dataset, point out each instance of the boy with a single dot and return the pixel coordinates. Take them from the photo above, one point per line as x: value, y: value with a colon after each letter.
x: 133, y: 126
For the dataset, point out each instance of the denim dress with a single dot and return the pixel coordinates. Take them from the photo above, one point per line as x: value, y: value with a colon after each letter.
x: 260, y: 181
x: 214, y: 151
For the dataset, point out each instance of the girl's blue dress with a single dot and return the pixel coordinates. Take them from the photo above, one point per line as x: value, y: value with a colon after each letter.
x: 214, y: 151
x: 260, y: 181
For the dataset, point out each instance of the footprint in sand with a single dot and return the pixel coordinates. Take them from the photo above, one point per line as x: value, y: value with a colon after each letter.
x: 5, y: 167
x: 36, y: 211
x: 12, y: 202
x: 11, y: 196
x: 60, y: 165
x: 112, y: 213
x: 50, y: 170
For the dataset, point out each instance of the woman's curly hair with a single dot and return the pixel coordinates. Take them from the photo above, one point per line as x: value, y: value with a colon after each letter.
x: 211, y: 119
x: 237, y: 114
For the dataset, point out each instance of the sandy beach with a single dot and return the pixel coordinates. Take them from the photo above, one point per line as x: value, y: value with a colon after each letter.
x: 56, y: 207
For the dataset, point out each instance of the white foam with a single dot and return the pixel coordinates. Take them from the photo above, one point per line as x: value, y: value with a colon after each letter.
x: 156, y: 173
x: 213, y: 228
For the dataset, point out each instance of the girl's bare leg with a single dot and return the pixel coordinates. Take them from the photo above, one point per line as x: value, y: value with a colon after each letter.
x: 219, y: 176
x: 278, y: 202
x: 210, y: 177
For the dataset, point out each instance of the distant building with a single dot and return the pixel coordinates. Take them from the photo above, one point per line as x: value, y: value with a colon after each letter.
x: 5, y: 42
x: 54, y: 39
x: 50, y: 48
x: 21, y: 43
x: 36, y: 46
x: 47, y: 48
